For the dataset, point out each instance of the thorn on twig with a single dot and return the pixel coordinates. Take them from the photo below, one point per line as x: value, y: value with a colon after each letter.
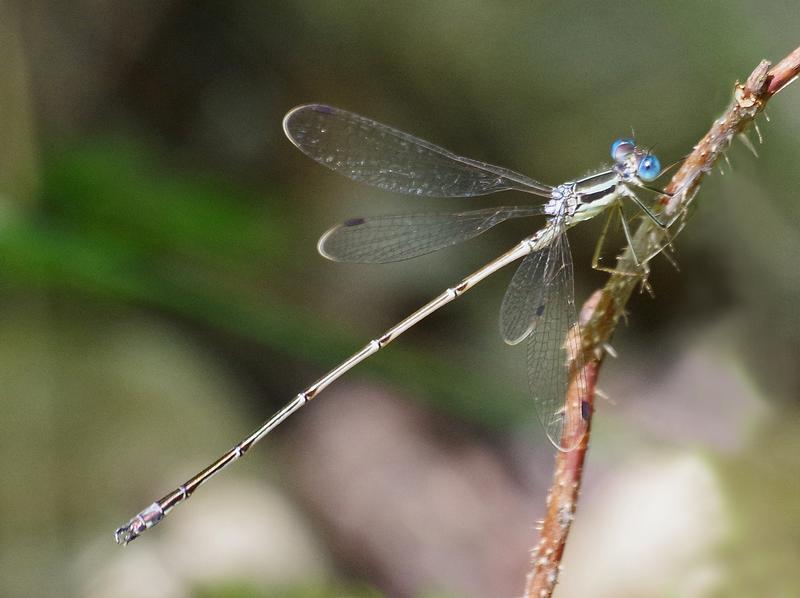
x: 748, y: 143
x: 609, y: 349
x: 603, y: 395
x: 728, y: 161
x: 758, y: 132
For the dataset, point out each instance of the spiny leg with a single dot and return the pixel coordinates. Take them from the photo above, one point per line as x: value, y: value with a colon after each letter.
x: 648, y: 212
x: 662, y: 226
x: 667, y: 247
x: 600, y: 242
x: 641, y: 267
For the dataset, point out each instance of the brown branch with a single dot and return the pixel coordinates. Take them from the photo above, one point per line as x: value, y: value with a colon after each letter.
x: 601, y: 313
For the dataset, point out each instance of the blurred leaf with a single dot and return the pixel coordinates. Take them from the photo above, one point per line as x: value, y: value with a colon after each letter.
x: 762, y: 485
x: 119, y: 191
x: 316, y: 591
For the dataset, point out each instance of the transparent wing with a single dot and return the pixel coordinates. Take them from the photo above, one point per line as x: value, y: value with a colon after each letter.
x: 554, y: 344
x: 540, y: 305
x: 372, y: 153
x: 393, y: 238
x: 524, y: 297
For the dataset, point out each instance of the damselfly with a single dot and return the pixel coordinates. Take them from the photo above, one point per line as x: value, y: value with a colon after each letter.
x: 539, y: 304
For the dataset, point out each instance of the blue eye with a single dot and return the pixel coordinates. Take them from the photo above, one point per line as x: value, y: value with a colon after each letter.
x: 621, y: 148
x: 649, y: 168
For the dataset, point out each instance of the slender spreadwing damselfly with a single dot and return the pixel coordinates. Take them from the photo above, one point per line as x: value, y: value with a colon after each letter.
x: 539, y: 305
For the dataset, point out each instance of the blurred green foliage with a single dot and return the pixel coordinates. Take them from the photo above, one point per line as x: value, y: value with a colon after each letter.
x: 115, y: 227
x: 763, y: 491
x: 303, y: 591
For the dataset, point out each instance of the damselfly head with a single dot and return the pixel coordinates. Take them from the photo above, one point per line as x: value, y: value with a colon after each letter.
x: 621, y: 149
x: 633, y: 161
x: 649, y: 168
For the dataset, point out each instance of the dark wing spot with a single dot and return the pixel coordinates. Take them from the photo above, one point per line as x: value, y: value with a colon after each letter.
x: 539, y: 310
x: 354, y: 222
x: 322, y: 108
x: 586, y: 410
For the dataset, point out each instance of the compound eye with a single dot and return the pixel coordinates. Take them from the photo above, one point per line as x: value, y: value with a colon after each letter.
x: 621, y: 149
x: 649, y: 168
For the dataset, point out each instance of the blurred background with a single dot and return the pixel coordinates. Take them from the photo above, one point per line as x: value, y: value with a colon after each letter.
x: 161, y: 295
